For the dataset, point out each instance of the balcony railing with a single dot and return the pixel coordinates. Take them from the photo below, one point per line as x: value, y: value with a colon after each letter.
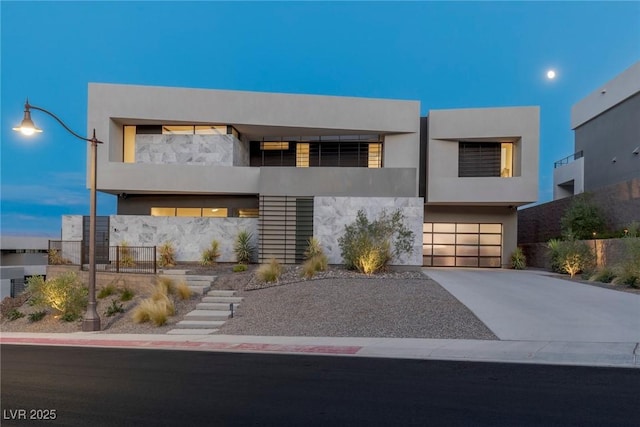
x: 120, y: 259
x: 575, y: 156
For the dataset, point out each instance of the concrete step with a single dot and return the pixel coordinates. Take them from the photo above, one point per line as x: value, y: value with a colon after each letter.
x: 226, y: 300
x: 196, y: 277
x: 192, y: 331
x: 208, y: 315
x: 199, y: 290
x: 217, y: 293
x: 199, y: 324
x: 172, y: 272
x: 215, y: 306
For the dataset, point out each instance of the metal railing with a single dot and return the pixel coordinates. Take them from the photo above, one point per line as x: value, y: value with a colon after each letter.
x: 575, y: 156
x: 18, y: 286
x: 121, y: 259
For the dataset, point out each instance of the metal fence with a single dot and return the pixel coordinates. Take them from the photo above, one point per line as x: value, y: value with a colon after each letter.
x: 121, y: 259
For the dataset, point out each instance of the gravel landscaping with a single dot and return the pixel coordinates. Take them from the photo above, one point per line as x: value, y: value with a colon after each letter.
x: 336, y: 303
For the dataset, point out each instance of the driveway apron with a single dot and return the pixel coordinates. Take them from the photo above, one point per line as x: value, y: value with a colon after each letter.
x: 531, y: 305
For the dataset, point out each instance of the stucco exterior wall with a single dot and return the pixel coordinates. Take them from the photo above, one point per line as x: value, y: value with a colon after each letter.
x: 332, y: 214
x: 448, y: 127
x: 504, y: 215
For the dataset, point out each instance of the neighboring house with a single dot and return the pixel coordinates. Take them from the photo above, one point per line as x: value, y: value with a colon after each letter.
x: 607, y: 138
x: 21, y: 257
x: 606, y: 162
x: 192, y: 165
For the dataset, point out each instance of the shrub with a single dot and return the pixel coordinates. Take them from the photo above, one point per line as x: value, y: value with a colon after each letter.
x: 604, y: 275
x: 368, y: 244
x: 239, y: 268
x: 125, y: 255
x: 70, y: 317
x: 582, y: 218
x: 313, y: 248
x: 149, y: 310
x: 126, y: 295
x: 553, y: 247
x: 211, y: 254
x: 518, y: 260
x: 315, y: 259
x: 575, y: 256
x: 165, y: 286
x: 106, y: 291
x: 55, y: 257
x: 183, y: 291
x: 8, y: 304
x: 64, y: 293
x: 632, y: 230
x: 243, y: 248
x: 314, y: 264
x: 14, y: 314
x: 629, y: 267
x: 167, y: 255
x: 37, y: 316
x: 269, y: 272
x: 114, y: 308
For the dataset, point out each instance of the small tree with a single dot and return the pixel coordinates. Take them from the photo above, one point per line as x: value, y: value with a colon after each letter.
x: 368, y: 246
x: 65, y: 294
x: 582, y: 218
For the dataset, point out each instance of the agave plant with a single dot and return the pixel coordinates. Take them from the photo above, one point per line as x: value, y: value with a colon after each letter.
x: 243, y: 247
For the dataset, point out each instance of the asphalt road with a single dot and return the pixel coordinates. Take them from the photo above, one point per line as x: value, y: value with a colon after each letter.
x: 100, y: 386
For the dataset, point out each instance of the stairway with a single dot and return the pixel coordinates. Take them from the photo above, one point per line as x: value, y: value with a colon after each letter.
x: 209, y: 314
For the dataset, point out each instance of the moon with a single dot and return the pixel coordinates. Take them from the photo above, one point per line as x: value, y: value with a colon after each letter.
x: 551, y: 74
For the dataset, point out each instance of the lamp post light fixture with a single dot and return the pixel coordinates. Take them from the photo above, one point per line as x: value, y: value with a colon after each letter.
x: 91, y: 321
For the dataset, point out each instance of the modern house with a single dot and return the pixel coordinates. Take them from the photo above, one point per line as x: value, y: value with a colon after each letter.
x: 605, y: 164
x: 606, y: 126
x: 192, y: 165
x: 20, y: 258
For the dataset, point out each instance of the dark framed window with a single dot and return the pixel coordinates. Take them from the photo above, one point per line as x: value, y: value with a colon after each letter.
x: 479, y: 159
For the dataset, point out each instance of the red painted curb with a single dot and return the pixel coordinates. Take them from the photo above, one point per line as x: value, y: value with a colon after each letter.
x: 260, y: 347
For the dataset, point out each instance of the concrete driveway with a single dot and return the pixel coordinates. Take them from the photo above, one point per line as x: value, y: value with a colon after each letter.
x: 531, y: 305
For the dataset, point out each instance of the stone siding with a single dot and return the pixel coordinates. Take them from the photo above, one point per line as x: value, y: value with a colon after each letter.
x: 188, y: 235
x: 619, y: 203
x: 218, y: 150
x: 332, y: 214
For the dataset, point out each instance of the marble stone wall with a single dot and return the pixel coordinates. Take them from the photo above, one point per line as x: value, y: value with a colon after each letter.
x: 219, y: 150
x: 71, y: 227
x: 189, y: 235
x: 71, y: 233
x: 331, y: 214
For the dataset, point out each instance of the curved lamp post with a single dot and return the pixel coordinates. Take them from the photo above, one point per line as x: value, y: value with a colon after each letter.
x: 91, y: 321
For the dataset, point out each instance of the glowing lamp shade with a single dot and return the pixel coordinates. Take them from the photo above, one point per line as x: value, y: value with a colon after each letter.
x: 27, y: 127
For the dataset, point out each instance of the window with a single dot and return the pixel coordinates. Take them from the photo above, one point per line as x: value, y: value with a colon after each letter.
x: 192, y: 212
x: 485, y: 159
x: 318, y: 151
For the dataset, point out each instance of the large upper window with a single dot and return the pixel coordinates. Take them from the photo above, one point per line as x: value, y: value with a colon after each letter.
x: 485, y: 159
x: 363, y: 151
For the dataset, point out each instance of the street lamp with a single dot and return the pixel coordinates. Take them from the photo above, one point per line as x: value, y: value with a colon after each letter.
x: 91, y: 321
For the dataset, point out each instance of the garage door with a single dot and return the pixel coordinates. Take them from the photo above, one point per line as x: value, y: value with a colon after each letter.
x: 461, y: 244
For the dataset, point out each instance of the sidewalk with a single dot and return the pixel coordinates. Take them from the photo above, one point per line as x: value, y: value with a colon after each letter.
x: 538, y: 352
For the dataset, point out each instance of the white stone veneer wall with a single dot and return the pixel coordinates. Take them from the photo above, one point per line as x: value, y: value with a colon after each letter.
x: 71, y: 227
x: 189, y: 235
x: 220, y: 150
x: 331, y: 214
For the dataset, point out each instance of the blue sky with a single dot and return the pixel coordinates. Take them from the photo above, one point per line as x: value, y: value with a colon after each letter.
x: 444, y: 54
